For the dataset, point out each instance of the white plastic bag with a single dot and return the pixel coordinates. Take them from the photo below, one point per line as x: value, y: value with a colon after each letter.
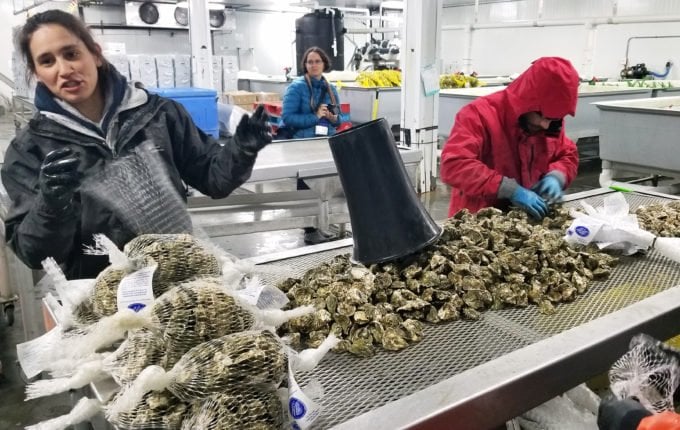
x: 609, y: 227
x: 237, y: 113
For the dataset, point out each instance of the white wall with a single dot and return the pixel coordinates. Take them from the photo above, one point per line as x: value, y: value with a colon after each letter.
x: 8, y: 20
x: 266, y: 40
x: 503, y: 51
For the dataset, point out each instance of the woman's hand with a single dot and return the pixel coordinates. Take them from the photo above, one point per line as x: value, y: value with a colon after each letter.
x: 322, y: 111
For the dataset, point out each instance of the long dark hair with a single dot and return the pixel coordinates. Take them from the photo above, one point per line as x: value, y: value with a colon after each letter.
x: 324, y: 57
x: 71, y: 23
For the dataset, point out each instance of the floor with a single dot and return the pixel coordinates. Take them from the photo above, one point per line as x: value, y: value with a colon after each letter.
x: 16, y: 413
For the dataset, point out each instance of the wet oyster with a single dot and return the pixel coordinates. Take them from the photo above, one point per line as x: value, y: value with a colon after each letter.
x: 256, y: 408
x: 488, y: 260
x: 156, y: 411
x: 660, y: 219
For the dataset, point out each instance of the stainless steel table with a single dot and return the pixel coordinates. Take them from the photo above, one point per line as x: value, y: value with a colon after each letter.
x: 267, y: 85
x: 23, y: 111
x: 640, y: 136
x: 286, y: 161
x: 584, y: 124
x: 367, y: 104
x: 482, y: 373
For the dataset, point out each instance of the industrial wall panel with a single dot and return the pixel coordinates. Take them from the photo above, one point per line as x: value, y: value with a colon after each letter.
x: 647, y: 7
x: 556, y: 9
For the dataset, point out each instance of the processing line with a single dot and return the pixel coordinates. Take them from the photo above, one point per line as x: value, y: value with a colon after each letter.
x: 489, y: 371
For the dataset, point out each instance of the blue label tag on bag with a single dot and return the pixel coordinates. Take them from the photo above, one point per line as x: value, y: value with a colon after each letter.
x: 135, y: 290
x: 303, y: 410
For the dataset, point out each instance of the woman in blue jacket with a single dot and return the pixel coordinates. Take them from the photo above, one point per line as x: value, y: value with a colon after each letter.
x: 311, y: 108
x: 311, y: 103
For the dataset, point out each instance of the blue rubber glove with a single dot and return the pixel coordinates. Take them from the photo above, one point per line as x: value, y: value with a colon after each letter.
x: 550, y: 188
x: 530, y: 202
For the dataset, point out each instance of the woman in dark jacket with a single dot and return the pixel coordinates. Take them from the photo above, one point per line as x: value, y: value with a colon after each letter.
x: 88, y: 117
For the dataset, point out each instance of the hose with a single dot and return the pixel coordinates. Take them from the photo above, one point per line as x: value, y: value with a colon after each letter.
x: 662, y: 75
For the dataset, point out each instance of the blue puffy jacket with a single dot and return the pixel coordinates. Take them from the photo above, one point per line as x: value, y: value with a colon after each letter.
x: 297, y: 112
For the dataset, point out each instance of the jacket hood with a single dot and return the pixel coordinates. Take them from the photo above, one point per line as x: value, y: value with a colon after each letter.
x: 549, y: 86
x: 112, y: 81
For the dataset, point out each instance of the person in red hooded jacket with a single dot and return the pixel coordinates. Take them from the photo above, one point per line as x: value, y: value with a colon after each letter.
x: 510, y: 148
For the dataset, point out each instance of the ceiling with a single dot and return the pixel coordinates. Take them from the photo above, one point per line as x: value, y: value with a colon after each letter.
x: 273, y: 4
x: 370, y: 4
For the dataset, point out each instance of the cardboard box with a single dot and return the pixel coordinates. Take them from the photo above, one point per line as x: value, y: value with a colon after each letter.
x: 268, y: 97
x: 166, y: 71
x: 240, y: 98
x: 182, y: 71
x: 248, y: 107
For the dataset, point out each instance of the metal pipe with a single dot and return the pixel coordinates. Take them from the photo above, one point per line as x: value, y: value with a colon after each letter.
x: 7, y: 81
x: 456, y: 27
x: 372, y: 30
x: 568, y: 22
x: 625, y: 66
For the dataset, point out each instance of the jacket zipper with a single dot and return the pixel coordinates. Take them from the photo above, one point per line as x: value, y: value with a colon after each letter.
x: 531, y: 162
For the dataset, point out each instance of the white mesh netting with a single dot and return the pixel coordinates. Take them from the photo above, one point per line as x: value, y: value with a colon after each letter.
x: 648, y: 372
x: 138, y: 189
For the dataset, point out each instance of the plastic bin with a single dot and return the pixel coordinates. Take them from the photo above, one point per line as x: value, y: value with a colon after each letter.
x: 201, y: 103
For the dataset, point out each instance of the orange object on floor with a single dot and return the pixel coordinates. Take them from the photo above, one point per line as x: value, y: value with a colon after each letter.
x: 664, y: 421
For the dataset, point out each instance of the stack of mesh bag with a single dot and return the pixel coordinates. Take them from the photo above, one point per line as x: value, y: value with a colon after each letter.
x: 201, y: 356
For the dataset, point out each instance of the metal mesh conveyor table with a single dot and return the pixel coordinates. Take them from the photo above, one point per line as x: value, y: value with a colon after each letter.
x: 479, y: 374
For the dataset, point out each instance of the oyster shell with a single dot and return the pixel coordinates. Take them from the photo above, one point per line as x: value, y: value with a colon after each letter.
x: 488, y: 260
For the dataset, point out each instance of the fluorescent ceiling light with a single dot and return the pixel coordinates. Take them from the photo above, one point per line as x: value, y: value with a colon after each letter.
x: 211, y: 6
x: 392, y: 4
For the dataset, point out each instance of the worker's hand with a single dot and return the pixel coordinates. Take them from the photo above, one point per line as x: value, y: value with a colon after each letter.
x: 59, y: 178
x: 615, y: 414
x: 550, y: 188
x: 322, y: 111
x: 530, y: 202
x: 253, y: 132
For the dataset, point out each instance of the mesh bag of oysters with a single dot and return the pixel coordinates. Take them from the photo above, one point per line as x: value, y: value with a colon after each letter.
x: 183, y: 317
x: 188, y: 313
x: 173, y: 258
x: 170, y: 258
x: 648, y: 372
x: 229, y: 382
x: 484, y: 261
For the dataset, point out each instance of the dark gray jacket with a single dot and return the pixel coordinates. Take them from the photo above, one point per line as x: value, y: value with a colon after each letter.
x: 190, y: 157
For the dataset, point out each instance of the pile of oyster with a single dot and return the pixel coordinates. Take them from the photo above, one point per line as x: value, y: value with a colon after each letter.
x: 660, y: 219
x: 488, y: 260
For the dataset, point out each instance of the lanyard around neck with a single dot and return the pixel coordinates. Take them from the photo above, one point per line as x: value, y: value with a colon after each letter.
x: 311, y: 92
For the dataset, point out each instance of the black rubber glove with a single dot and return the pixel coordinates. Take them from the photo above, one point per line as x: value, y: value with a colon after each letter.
x: 59, y: 178
x: 253, y: 132
x: 615, y: 414
x: 530, y: 202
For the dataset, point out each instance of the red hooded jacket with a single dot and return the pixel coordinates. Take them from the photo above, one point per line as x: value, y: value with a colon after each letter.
x: 487, y: 143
